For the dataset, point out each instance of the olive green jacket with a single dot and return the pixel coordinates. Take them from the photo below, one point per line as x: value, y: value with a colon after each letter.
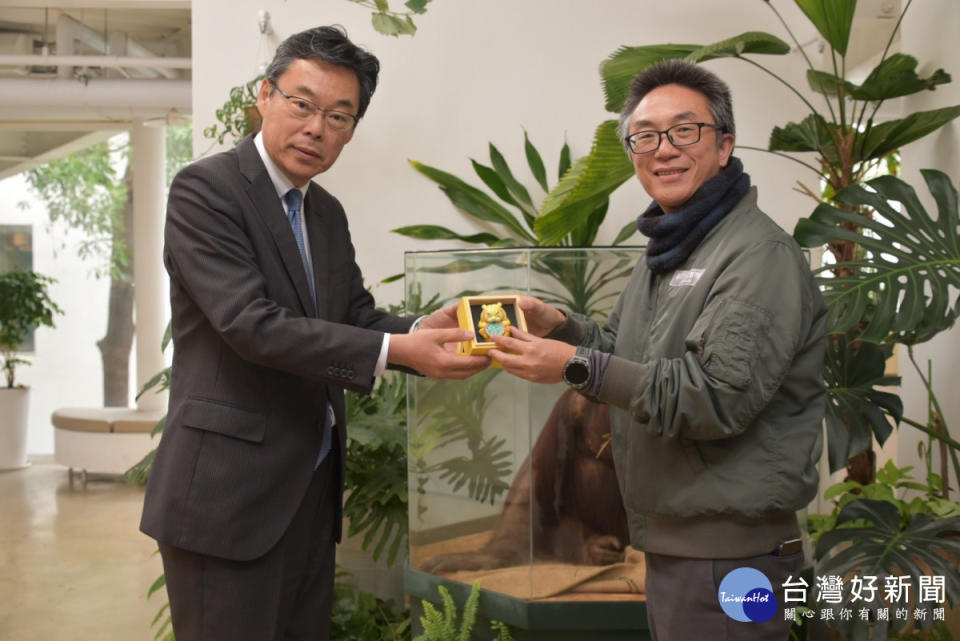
x: 717, y: 393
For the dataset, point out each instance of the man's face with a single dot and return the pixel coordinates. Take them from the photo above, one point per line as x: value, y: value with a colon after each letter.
x: 304, y: 148
x: 671, y: 175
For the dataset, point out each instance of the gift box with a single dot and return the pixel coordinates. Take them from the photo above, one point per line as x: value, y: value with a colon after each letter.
x: 486, y: 316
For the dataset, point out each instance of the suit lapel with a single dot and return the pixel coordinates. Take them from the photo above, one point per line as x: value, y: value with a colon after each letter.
x: 319, y: 249
x: 270, y: 209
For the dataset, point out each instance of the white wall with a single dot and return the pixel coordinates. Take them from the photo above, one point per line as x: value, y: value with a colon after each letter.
x: 483, y: 70
x: 66, y: 369
x: 480, y: 71
x: 924, y: 36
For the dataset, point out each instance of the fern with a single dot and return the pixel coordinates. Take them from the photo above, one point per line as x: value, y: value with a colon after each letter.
x: 503, y: 631
x: 439, y: 626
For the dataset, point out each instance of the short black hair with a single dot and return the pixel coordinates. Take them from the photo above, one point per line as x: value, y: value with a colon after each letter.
x: 687, y: 74
x: 328, y: 44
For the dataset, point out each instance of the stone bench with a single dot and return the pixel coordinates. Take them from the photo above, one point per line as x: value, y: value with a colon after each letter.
x: 102, y: 440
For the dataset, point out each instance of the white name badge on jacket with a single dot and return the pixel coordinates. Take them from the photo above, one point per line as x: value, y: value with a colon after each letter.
x: 686, y: 278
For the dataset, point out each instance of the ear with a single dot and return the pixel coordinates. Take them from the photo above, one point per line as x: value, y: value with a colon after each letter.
x: 726, y: 149
x: 263, y: 95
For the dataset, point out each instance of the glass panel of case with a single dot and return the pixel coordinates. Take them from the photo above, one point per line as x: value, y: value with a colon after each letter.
x: 511, y: 481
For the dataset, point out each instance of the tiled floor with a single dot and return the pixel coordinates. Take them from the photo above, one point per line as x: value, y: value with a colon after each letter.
x: 73, y: 565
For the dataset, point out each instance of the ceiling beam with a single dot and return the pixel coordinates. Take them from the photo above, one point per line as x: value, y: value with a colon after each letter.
x: 106, y: 4
x: 32, y: 60
x: 80, y: 142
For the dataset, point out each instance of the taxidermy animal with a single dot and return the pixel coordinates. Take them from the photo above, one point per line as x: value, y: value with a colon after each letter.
x: 578, y: 515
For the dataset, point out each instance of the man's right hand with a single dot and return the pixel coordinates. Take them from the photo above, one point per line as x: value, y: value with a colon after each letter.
x: 433, y: 353
x: 541, y: 318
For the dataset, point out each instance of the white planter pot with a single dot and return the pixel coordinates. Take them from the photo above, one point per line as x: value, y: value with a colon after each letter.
x: 13, y: 427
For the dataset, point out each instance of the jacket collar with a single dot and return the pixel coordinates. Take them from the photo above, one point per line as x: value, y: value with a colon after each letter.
x: 263, y: 193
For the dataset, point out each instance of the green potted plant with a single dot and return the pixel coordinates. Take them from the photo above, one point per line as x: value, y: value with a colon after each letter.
x: 876, y: 301
x: 841, y: 143
x: 24, y: 305
x: 874, y: 530
x: 896, y: 264
x: 238, y: 116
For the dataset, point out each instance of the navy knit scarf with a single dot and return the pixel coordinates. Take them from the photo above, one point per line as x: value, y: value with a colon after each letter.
x: 674, y: 236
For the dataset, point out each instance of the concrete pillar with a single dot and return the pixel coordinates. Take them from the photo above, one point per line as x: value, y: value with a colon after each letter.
x: 150, y: 315
x: 64, y: 46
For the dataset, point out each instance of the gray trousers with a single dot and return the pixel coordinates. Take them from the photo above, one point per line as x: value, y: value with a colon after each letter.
x: 682, y: 602
x: 285, y: 595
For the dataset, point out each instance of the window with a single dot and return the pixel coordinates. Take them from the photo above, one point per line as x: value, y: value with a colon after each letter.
x: 16, y: 252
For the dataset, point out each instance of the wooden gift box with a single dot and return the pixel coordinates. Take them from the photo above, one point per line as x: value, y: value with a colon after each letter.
x: 469, y: 315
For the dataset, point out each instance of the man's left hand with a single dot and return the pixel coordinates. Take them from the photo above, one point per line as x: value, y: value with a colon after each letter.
x: 443, y: 318
x: 539, y: 360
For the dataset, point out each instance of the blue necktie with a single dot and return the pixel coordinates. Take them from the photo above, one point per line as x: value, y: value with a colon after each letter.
x: 293, y: 199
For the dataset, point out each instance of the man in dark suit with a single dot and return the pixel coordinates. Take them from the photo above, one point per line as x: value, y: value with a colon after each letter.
x: 270, y: 322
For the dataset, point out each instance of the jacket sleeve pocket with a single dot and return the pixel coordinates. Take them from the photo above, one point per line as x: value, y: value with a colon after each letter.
x: 731, y: 343
x: 224, y: 419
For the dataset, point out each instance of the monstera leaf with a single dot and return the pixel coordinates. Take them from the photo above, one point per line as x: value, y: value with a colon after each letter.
x: 483, y: 472
x: 873, y: 539
x: 902, y: 289
x: 857, y: 412
x: 451, y: 413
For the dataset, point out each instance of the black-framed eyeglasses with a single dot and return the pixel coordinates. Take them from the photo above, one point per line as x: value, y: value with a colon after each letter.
x: 681, y: 135
x: 304, y: 109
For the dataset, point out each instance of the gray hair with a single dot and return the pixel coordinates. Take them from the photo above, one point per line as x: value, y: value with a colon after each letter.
x: 328, y: 44
x: 687, y: 74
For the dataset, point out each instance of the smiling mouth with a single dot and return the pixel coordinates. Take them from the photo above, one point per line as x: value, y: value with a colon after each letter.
x: 669, y: 172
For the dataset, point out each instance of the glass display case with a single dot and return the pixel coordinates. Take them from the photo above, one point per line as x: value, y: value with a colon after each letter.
x: 511, y: 483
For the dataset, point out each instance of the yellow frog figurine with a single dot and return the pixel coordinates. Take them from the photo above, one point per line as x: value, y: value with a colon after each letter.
x: 493, y: 320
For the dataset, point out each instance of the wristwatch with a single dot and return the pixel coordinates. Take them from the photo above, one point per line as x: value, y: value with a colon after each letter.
x: 576, y: 372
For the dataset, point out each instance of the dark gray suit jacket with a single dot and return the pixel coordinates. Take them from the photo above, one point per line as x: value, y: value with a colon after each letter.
x: 253, y: 365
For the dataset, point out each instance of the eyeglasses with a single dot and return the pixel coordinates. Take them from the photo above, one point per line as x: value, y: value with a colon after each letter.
x: 682, y: 135
x: 304, y: 109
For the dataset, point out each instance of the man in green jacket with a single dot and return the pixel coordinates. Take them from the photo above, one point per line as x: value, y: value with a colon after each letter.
x: 711, y: 364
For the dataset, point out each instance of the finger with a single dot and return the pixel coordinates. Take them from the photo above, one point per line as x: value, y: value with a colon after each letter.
x: 518, y: 333
x: 508, y: 342
x: 504, y: 358
x: 444, y: 318
x: 470, y: 365
x: 450, y: 310
x: 528, y: 303
x: 457, y: 367
x: 512, y: 364
x: 475, y: 362
x: 451, y: 335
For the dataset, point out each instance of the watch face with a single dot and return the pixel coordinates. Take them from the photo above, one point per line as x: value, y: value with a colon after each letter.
x: 576, y: 372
